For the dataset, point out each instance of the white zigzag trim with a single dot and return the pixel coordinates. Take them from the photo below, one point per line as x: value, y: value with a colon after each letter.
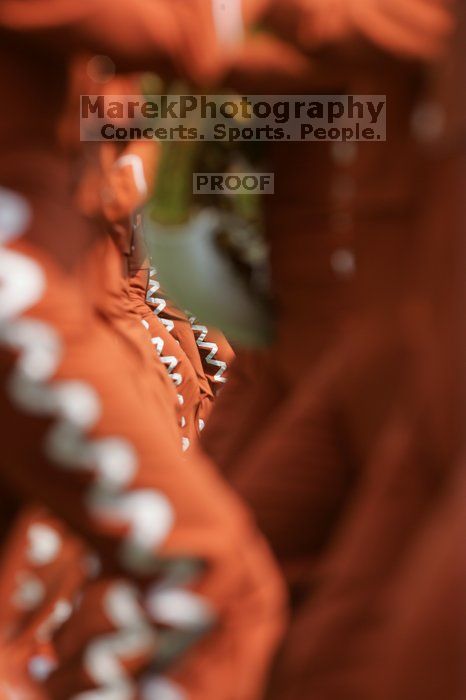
x: 146, y: 513
x: 170, y: 362
x: 159, y: 302
x: 213, y: 348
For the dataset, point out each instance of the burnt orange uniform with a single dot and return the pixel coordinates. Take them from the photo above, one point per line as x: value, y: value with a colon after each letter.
x: 341, y: 212
x: 196, y: 357
x: 115, y: 180
x: 330, y: 424
x: 178, y: 552
x: 338, y: 215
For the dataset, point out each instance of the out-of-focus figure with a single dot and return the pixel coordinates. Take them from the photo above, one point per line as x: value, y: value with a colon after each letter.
x: 350, y: 424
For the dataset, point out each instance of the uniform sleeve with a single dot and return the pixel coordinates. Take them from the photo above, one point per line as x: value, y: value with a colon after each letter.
x: 178, y: 553
x: 129, y: 181
x: 176, y: 548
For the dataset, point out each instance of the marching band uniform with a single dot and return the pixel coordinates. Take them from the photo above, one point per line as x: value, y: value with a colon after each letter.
x: 178, y: 551
x: 335, y: 424
x: 195, y: 357
x: 324, y: 253
x: 330, y: 235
